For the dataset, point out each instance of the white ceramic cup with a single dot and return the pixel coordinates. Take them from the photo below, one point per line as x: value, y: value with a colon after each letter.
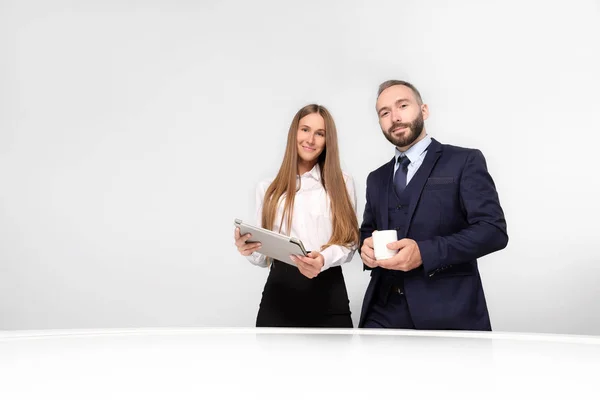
x: 380, y: 241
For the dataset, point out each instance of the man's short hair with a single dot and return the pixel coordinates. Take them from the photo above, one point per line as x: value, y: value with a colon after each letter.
x: 394, y: 82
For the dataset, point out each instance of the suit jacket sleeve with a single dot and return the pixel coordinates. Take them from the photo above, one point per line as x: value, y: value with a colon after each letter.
x: 369, y: 223
x: 486, y: 230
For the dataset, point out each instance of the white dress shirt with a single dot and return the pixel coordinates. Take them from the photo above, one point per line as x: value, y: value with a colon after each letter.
x: 416, y: 154
x: 311, y: 221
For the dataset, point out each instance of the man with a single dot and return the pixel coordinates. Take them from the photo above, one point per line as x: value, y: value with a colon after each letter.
x: 443, y: 204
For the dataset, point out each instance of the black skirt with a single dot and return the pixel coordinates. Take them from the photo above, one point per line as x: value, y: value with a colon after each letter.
x: 290, y: 299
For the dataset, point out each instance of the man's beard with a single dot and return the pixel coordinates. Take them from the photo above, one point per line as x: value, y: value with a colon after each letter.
x: 414, y: 130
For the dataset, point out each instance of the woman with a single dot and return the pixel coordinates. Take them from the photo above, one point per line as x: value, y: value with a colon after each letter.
x: 313, y: 200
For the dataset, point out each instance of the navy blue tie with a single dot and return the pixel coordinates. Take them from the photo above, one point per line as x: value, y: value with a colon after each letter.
x: 400, y: 177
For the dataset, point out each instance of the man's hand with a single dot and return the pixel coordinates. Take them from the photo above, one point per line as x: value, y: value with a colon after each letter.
x: 407, y: 258
x: 244, y: 248
x: 309, y: 266
x: 367, y: 254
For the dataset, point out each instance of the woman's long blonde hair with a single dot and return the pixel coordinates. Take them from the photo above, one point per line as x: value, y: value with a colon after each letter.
x: 345, y: 224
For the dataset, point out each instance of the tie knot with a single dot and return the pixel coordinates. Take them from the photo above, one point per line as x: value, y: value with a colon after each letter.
x: 403, y: 161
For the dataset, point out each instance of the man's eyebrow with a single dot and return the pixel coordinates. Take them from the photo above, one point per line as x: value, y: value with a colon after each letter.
x: 403, y: 100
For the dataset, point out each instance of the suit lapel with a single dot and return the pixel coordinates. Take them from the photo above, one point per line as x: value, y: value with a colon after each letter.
x: 418, y: 181
x: 387, y: 180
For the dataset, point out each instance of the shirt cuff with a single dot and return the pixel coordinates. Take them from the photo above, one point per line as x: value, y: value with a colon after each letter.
x: 258, y: 259
x: 336, y: 255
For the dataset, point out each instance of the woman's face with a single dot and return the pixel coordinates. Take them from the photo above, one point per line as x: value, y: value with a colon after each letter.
x: 311, y: 137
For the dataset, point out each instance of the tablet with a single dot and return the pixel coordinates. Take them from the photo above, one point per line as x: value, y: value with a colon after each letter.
x: 274, y: 245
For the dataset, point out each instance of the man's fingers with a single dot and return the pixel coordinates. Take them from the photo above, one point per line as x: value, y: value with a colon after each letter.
x: 368, y: 261
x: 385, y: 263
x: 394, y: 245
x: 399, y: 244
x: 368, y: 251
x: 397, y: 262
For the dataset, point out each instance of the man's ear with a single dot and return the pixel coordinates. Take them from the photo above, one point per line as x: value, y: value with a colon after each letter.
x: 425, y: 111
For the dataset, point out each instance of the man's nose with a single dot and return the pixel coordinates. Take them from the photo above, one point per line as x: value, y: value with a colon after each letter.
x: 396, y: 117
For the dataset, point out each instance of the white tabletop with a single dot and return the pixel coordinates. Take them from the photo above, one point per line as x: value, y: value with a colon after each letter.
x: 295, y: 363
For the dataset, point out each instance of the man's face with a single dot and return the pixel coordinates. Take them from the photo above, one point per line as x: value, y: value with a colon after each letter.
x: 401, y: 117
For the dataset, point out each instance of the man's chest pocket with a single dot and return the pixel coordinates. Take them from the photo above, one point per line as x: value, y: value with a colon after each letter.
x: 440, y: 200
x: 440, y: 191
x: 440, y: 183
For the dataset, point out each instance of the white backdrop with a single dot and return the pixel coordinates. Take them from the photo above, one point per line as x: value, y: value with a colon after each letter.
x: 132, y: 135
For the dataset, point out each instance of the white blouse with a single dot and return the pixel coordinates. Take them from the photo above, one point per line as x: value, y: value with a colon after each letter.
x: 311, y: 220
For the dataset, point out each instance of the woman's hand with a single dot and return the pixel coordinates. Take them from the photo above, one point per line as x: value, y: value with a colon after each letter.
x: 311, y: 265
x: 244, y: 248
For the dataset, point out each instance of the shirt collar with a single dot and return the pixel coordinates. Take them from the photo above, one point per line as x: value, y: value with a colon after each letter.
x: 416, y: 150
x: 314, y: 173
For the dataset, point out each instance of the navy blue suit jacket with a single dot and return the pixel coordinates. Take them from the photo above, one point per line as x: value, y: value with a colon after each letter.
x: 455, y: 217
